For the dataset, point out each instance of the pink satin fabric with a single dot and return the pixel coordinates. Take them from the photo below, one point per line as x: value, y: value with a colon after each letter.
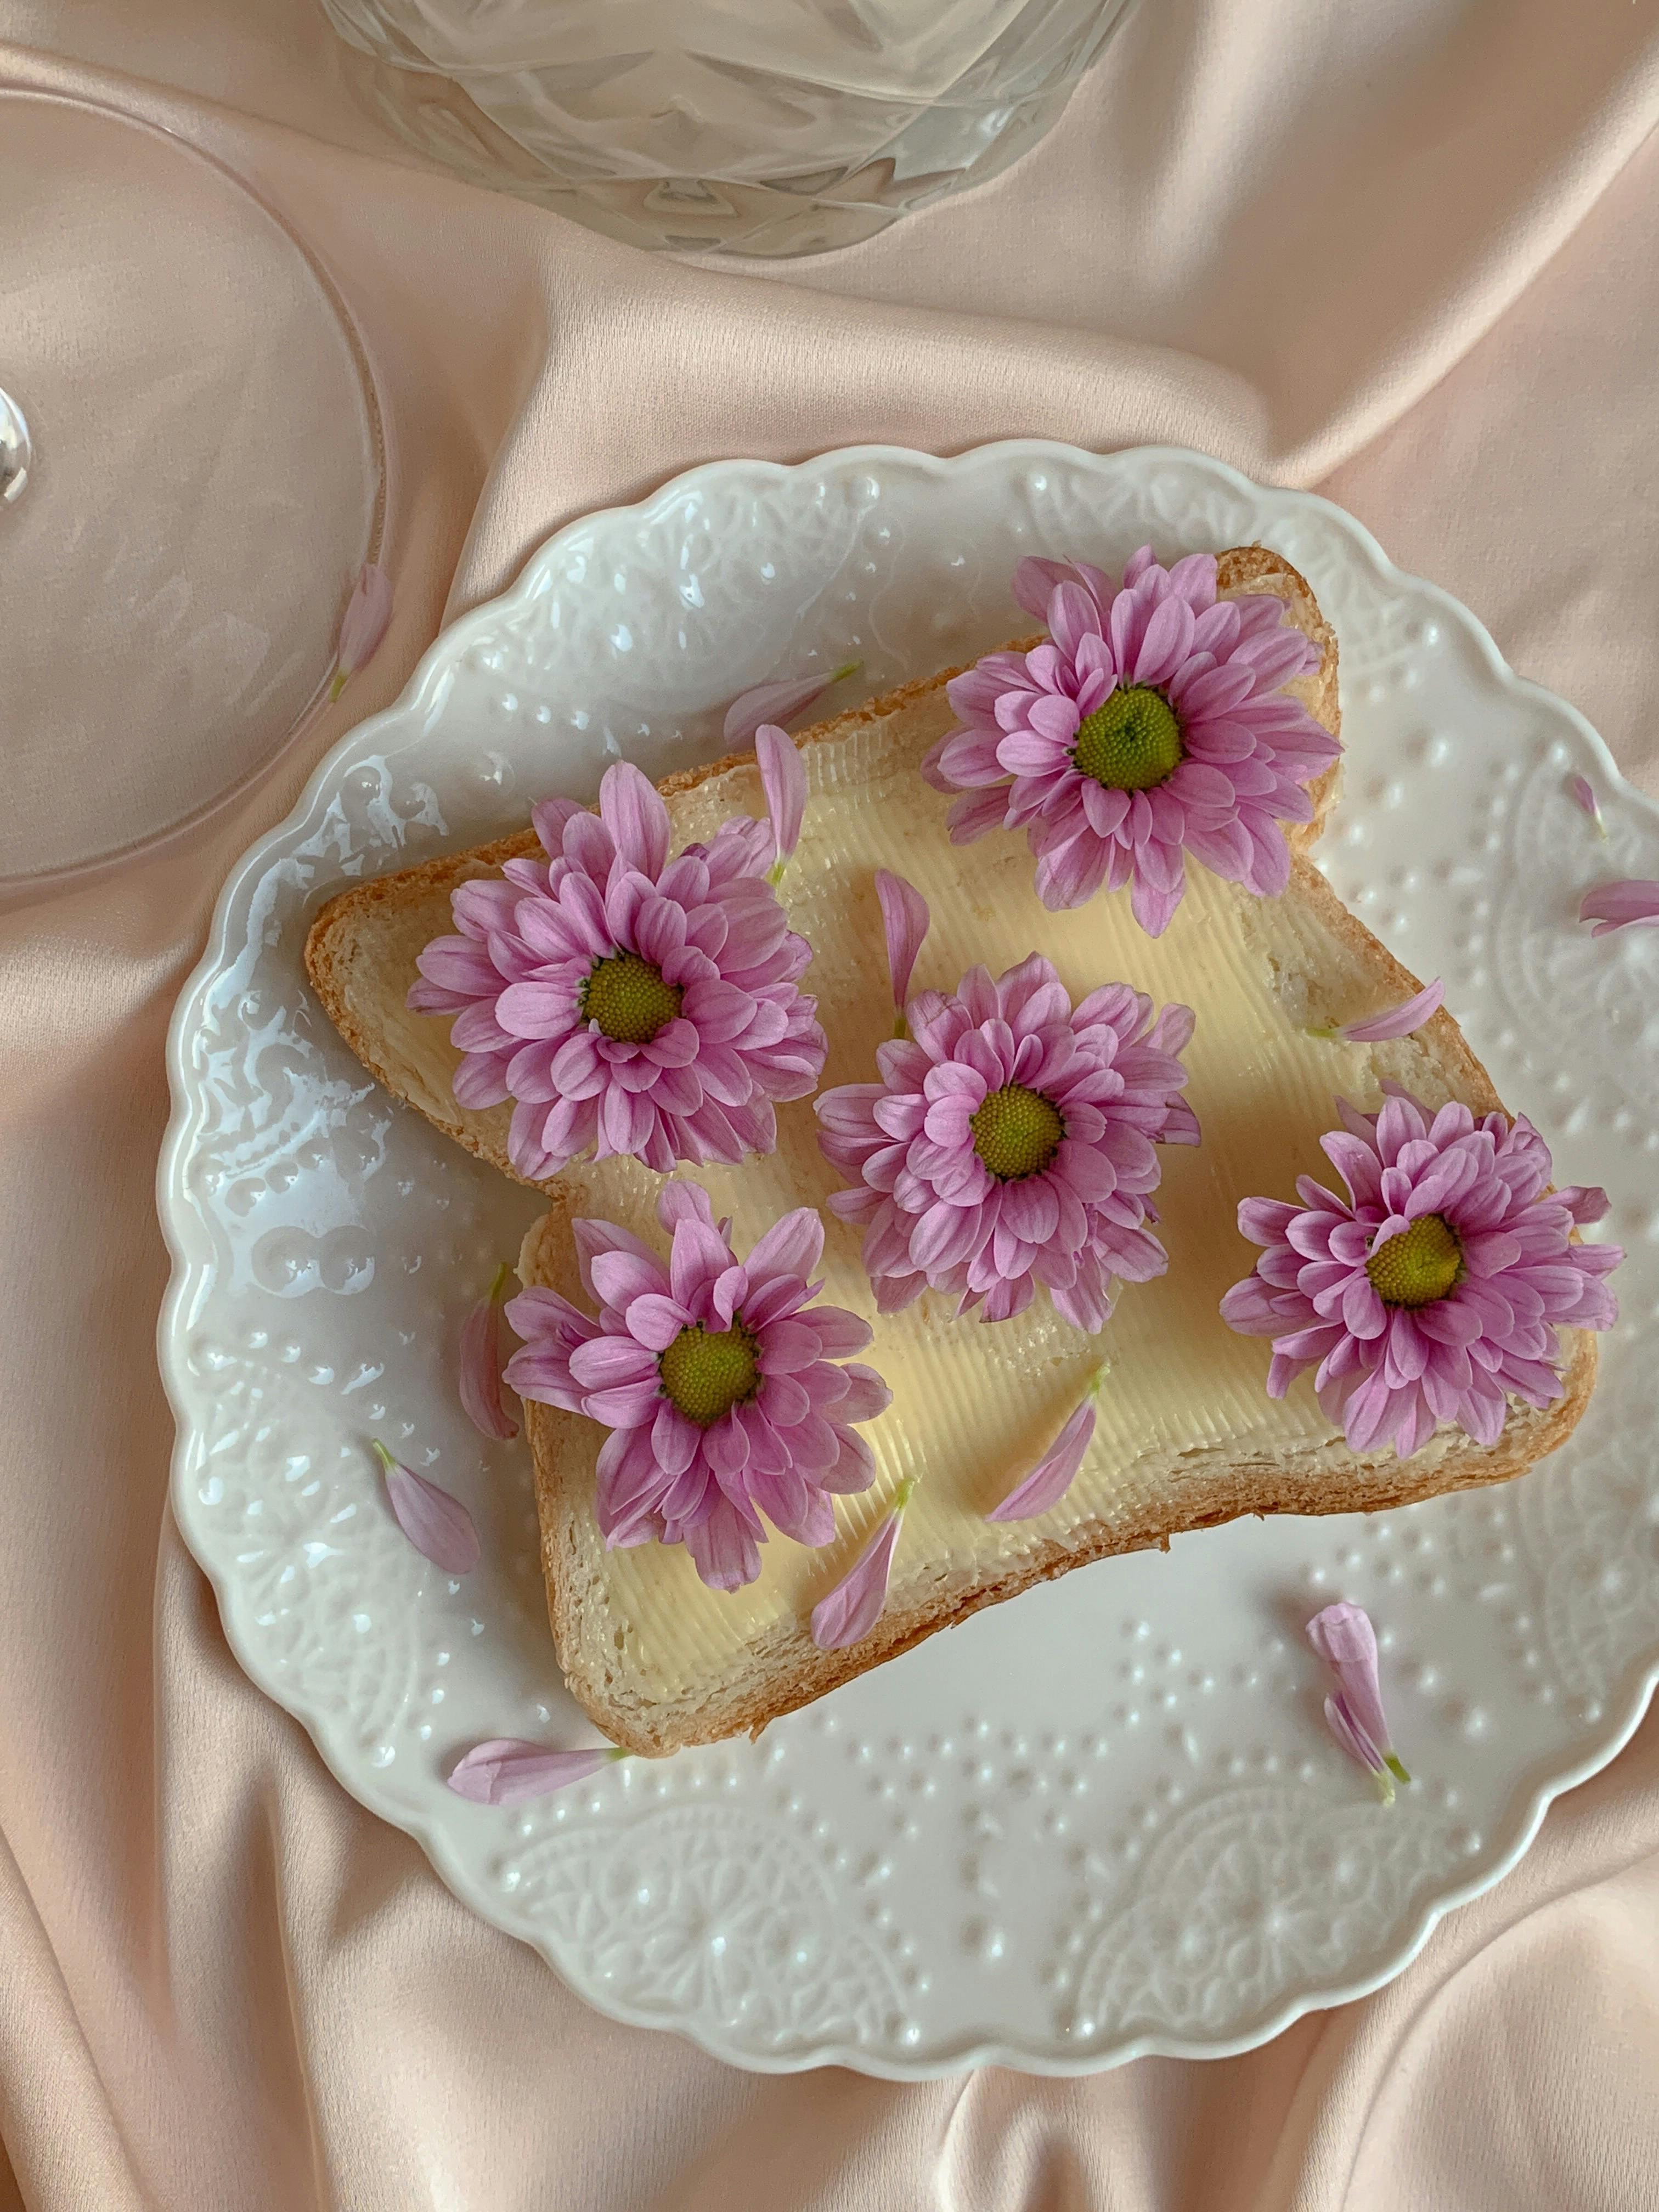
x: 1403, y: 253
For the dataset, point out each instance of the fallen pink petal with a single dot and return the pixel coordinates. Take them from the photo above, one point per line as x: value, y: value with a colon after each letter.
x: 437, y: 1525
x: 905, y: 918
x: 1581, y: 792
x: 1398, y: 1021
x: 1359, y: 1746
x: 1625, y: 904
x: 783, y: 779
x: 852, y: 1609
x: 481, y: 1362
x: 367, y: 613
x: 506, y: 1770
x: 779, y: 700
x: 1052, y: 1477
x: 1343, y: 1637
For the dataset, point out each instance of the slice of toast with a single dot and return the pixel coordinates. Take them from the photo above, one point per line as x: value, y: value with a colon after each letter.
x: 362, y: 947
x: 1186, y: 1435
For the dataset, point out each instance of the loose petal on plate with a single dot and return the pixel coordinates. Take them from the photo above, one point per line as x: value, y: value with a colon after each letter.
x: 506, y: 1769
x: 367, y: 612
x: 778, y: 701
x: 1343, y: 1637
x: 481, y: 1362
x: 438, y: 1526
x: 1359, y: 1746
x: 1051, y: 1478
x: 905, y: 918
x: 1621, y: 904
x: 852, y: 1609
x: 783, y: 779
x: 1398, y: 1022
x: 1581, y: 792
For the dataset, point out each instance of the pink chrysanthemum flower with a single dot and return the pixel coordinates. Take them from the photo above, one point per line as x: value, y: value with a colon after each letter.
x: 1151, y: 723
x: 1011, y: 1142
x: 624, y: 1000
x: 728, y: 1393
x: 1435, y: 1289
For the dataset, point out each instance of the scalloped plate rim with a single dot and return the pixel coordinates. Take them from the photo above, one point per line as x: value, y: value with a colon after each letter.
x: 189, y: 1268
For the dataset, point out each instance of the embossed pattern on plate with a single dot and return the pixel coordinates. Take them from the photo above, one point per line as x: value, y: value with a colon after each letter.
x: 1103, y: 1821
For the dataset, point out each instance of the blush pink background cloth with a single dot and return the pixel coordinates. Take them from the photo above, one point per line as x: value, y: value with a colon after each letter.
x: 1403, y: 253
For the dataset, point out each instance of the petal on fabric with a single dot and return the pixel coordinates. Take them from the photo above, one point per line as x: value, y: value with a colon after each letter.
x: 368, y: 612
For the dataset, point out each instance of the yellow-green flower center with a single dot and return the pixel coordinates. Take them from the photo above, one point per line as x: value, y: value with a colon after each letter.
x: 707, y: 1372
x: 1017, y: 1132
x: 628, y: 998
x: 1131, y: 743
x: 1418, y: 1266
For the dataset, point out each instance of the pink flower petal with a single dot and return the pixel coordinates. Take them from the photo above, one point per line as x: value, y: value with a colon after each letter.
x: 1581, y: 792
x: 437, y: 1525
x: 1343, y: 1637
x: 783, y: 779
x: 1398, y: 1021
x: 1352, y: 1735
x: 1621, y: 905
x: 632, y: 810
x: 368, y: 612
x: 778, y: 701
x: 905, y: 919
x: 852, y: 1609
x: 481, y: 1364
x: 506, y: 1770
x: 1051, y: 1478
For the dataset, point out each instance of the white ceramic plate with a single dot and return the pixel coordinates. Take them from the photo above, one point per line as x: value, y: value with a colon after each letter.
x: 1100, y: 1821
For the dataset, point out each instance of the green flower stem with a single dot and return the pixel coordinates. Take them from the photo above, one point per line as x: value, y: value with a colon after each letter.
x: 503, y: 1276
x: 1396, y: 1768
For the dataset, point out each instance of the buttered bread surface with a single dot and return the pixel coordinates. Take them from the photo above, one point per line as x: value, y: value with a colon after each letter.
x: 974, y: 1404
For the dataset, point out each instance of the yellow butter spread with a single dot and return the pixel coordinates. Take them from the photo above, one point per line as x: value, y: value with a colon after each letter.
x: 974, y: 1405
